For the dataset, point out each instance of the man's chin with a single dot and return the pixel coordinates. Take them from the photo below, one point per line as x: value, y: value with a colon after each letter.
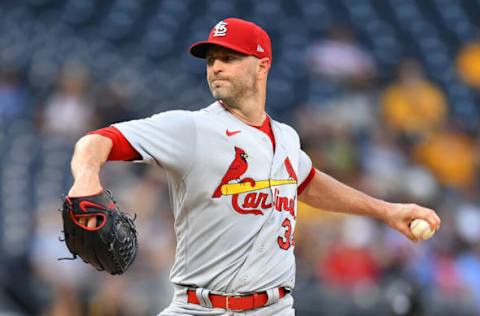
x: 220, y: 95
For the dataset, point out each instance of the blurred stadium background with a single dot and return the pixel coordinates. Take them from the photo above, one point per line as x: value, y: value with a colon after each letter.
x: 385, y: 95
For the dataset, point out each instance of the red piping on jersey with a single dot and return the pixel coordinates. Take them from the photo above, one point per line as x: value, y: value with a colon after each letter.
x: 307, y: 180
x: 121, y: 148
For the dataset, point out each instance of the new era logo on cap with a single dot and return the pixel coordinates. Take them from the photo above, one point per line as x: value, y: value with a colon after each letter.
x: 236, y: 34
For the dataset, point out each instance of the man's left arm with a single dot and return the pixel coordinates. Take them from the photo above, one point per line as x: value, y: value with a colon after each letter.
x: 326, y: 193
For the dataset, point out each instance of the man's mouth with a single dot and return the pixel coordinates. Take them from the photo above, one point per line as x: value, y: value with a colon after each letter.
x: 219, y: 79
x: 218, y: 82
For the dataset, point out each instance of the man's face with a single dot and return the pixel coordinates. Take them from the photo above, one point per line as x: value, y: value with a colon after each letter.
x: 231, y: 76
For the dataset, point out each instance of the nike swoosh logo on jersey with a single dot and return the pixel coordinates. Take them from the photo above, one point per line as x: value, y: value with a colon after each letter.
x: 231, y: 133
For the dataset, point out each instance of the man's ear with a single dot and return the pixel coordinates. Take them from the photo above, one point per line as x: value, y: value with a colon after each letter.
x: 263, y: 67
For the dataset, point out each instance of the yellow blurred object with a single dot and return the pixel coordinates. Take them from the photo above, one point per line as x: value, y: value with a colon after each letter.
x: 307, y: 213
x: 311, y: 219
x: 450, y: 156
x: 468, y: 64
x: 413, y: 109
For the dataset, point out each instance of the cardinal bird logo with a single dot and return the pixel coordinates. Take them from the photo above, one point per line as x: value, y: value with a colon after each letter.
x: 237, y: 168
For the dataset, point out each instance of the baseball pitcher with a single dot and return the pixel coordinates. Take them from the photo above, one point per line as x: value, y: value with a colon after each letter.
x: 235, y: 177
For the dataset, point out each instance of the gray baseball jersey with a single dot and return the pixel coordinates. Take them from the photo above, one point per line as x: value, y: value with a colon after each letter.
x: 234, y: 197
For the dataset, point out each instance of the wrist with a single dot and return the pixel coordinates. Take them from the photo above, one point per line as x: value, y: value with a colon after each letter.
x: 381, y: 209
x: 87, y: 182
x: 82, y: 191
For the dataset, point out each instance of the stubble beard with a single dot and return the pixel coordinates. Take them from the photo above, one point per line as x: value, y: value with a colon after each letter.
x: 234, y: 93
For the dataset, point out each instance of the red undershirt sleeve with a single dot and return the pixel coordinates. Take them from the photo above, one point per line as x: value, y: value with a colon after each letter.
x: 121, y: 149
x: 306, y: 182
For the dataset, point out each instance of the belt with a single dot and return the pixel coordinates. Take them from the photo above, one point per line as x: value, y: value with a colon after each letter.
x: 235, y: 302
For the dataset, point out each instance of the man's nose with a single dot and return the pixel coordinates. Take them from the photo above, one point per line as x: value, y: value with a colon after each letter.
x: 217, y: 66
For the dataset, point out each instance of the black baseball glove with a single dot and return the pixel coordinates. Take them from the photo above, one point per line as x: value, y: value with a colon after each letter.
x: 111, y: 245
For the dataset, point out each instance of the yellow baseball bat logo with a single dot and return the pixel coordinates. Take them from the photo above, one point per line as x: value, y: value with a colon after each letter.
x: 237, y: 188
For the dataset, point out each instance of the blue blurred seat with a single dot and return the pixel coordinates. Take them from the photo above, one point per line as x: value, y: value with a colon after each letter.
x: 78, y: 12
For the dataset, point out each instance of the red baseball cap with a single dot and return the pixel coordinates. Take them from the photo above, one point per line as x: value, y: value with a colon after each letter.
x: 239, y: 35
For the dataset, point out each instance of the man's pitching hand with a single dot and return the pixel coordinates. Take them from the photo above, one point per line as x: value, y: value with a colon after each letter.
x: 399, y: 216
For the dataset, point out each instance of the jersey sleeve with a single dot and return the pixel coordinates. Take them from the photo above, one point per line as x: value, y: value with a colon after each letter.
x: 305, y: 171
x: 121, y: 148
x: 167, y: 139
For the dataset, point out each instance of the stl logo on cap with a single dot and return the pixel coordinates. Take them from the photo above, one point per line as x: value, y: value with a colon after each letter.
x: 220, y: 29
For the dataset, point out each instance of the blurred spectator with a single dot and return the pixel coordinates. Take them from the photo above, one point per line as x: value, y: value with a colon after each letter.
x: 467, y: 222
x: 468, y: 261
x: 419, y: 185
x: 149, y: 197
x: 12, y: 95
x: 353, y: 110
x: 69, y: 112
x: 110, y: 299
x: 350, y: 263
x: 332, y: 132
x: 450, y: 155
x: 114, y: 103
x: 468, y: 267
x: 62, y: 283
x: 339, y: 58
x: 340, y: 156
x: 412, y: 105
x: 383, y: 163
x: 468, y: 63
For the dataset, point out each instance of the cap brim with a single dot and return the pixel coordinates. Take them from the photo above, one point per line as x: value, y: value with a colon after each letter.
x: 200, y: 49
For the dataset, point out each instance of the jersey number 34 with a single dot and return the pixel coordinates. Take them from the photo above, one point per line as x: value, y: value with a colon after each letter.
x: 287, y: 240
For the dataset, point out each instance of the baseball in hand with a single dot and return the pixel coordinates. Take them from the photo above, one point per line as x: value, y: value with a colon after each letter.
x: 421, y: 229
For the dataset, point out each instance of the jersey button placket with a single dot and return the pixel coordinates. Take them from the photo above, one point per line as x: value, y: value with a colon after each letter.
x: 261, y: 249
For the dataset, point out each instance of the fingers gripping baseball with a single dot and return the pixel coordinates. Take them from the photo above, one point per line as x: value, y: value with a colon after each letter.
x: 400, y: 216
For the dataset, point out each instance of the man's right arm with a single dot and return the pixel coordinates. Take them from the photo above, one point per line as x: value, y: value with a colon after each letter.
x: 91, y: 152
